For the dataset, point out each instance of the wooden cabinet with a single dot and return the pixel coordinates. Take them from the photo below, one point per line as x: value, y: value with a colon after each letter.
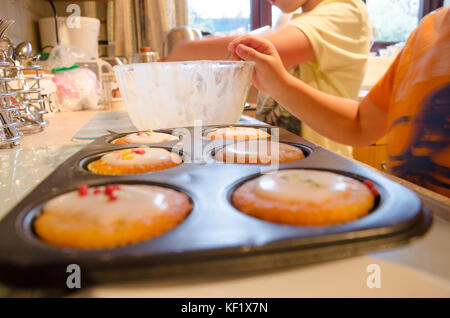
x: 374, y: 155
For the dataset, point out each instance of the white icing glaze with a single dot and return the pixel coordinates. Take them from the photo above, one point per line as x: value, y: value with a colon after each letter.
x: 151, y: 155
x: 149, y: 138
x: 143, y: 200
x: 238, y: 132
x: 307, y: 186
x: 266, y: 151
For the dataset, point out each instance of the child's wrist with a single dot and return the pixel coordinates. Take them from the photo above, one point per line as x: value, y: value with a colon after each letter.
x: 283, y: 83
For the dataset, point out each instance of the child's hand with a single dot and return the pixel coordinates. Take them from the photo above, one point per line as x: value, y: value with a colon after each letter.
x: 269, y: 70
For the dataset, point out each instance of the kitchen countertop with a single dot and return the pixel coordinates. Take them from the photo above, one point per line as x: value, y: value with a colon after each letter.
x: 420, y: 269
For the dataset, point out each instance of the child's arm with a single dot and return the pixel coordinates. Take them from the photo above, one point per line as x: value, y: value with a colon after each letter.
x: 291, y: 43
x: 337, y: 118
x: 206, y: 49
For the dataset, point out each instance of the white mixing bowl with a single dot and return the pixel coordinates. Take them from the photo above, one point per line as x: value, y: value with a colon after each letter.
x: 175, y: 94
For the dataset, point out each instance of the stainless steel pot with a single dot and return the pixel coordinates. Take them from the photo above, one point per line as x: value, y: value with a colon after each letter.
x: 178, y: 35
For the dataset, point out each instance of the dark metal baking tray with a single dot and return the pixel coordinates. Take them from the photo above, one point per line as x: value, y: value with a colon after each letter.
x: 215, y: 237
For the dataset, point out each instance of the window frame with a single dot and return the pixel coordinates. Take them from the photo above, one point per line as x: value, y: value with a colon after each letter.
x: 261, y: 13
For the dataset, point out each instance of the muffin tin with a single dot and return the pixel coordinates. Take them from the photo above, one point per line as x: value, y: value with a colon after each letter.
x: 215, y: 238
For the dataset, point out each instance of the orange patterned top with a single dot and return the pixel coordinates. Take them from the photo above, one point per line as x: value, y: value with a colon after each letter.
x: 415, y: 93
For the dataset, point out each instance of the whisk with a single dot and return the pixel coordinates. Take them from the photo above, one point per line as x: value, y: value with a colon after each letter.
x: 4, y: 25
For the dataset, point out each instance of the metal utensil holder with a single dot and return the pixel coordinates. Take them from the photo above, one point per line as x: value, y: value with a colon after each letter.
x: 22, y: 106
x: 30, y: 100
x: 9, y: 112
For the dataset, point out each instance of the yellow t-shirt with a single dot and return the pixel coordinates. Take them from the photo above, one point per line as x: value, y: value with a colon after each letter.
x: 339, y: 33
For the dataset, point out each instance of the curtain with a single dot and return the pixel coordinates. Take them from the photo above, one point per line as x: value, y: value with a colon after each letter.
x: 138, y: 23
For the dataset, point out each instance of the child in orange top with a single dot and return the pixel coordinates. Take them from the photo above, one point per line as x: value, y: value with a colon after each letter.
x: 410, y: 104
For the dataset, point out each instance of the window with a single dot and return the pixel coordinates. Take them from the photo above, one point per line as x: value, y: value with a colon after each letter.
x: 394, y: 20
x: 276, y: 13
x: 219, y: 17
x: 231, y: 16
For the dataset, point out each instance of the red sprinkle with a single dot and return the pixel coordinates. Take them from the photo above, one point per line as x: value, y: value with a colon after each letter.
x: 112, y: 197
x: 138, y: 151
x: 369, y: 183
x: 97, y: 191
x: 109, y: 190
x: 116, y: 187
x: 140, y: 133
x: 83, y: 190
x: 375, y: 191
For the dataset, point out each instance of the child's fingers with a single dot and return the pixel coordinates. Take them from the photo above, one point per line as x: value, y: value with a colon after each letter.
x: 248, y: 54
x: 235, y: 57
x: 232, y: 45
x: 259, y: 44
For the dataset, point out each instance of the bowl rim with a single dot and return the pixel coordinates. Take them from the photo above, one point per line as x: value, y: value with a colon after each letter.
x: 213, y: 62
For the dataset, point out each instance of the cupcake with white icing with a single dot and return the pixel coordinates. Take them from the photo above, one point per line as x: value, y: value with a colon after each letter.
x: 135, y: 160
x: 145, y: 138
x: 305, y: 197
x: 237, y: 133
x: 110, y: 216
x: 259, y: 152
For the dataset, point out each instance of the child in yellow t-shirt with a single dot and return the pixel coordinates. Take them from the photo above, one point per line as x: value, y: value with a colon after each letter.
x: 326, y: 45
x: 339, y: 34
x: 410, y: 104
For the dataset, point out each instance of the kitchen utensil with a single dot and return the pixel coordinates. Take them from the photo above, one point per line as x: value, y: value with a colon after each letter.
x: 145, y: 57
x: 6, y: 47
x: 9, y: 133
x: 4, y: 25
x: 118, y: 60
x: 22, y: 106
x: 32, y: 104
x: 23, y: 50
x: 175, y: 94
x: 178, y: 35
x: 21, y: 97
